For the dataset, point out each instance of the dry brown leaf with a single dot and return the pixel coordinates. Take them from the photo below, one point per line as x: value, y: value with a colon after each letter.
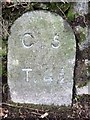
x: 1, y: 112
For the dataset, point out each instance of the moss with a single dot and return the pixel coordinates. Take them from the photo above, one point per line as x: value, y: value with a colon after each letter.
x: 88, y: 69
x: 82, y: 37
x: 0, y: 69
x: 12, y: 13
x: 83, y: 98
x: 65, y: 6
x: 70, y: 15
x: 82, y: 33
x: 3, y: 52
x: 82, y: 84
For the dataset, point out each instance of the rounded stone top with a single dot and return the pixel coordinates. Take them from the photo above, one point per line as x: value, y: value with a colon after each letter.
x: 41, y: 59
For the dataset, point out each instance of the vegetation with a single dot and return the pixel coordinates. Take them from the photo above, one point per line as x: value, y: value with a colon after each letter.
x: 81, y: 105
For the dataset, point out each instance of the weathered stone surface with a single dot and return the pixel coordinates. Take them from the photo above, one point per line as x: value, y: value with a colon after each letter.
x: 85, y: 89
x: 41, y: 59
x: 86, y: 43
x: 81, y: 7
x: 85, y: 73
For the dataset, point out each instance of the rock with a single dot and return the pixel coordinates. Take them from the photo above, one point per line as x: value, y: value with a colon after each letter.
x: 81, y: 7
x: 0, y: 89
x: 83, y: 37
x: 86, y: 43
x: 82, y: 77
x: 81, y: 29
x: 83, y: 90
x: 41, y: 59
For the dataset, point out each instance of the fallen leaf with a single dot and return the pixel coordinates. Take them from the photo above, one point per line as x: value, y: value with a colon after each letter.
x: 1, y: 112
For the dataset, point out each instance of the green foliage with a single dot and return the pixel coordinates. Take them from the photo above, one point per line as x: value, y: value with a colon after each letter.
x: 65, y: 7
x: 52, y: 6
x: 82, y: 84
x: 0, y: 69
x: 82, y: 37
x: 88, y: 69
x: 3, y: 56
x: 70, y: 15
x: 3, y: 52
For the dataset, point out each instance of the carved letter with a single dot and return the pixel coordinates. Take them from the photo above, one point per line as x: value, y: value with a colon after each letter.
x: 27, y: 71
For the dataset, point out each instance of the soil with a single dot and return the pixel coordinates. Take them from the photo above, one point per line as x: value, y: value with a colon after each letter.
x: 80, y: 108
